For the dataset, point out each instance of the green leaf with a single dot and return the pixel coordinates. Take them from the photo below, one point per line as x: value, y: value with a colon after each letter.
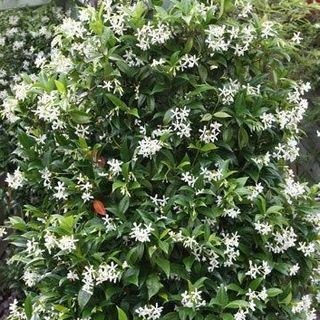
x: 124, y: 204
x: 121, y: 314
x: 227, y: 316
x: 164, y: 264
x: 28, y: 307
x: 171, y: 316
x: 254, y: 284
x: 237, y: 304
x: 243, y: 138
x: 117, y: 184
x: 222, y: 297
x: 17, y: 223
x: 206, y: 117
x: 287, y: 299
x: 79, y: 116
x: 25, y: 140
x: 222, y: 3
x: 131, y: 276
x: 221, y: 114
x: 134, y: 112
x: 97, y: 26
x: 117, y: 102
x: 272, y: 292
x: 60, y: 86
x: 83, y: 298
x: 153, y: 285
x: 274, y: 209
x: 208, y: 147
x: 203, y: 72
x: 67, y: 223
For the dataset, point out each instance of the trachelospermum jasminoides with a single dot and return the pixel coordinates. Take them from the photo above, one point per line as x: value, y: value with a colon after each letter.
x: 158, y: 143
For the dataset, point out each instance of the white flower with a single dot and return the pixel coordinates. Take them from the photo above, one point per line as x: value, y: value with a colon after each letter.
x: 13, y: 20
x: 88, y: 279
x: 283, y: 240
x: 231, y: 241
x: 181, y: 123
x: 109, y: 223
x: 30, y: 278
x: 266, y: 269
x: 254, y: 191
x: 82, y: 131
x: 115, y: 166
x: 108, y: 272
x: 263, y: 294
x: 192, y: 299
x: 150, y: 35
x: 296, y: 38
x: 158, y: 62
x: 267, y: 120
x: 149, y: 147
x: 240, y: 315
x: 3, y: 232
x: 303, y: 305
x: 72, y: 275
x: 254, y: 270
x: 71, y: 28
x: 210, y: 134
x: 149, y: 312
x: 307, y: 249
x: 33, y: 248
x: 86, y: 196
x: 294, y: 269
x: 14, y: 311
x: 189, y: 178
x: 47, y: 109
x: 132, y: 59
x: 228, y: 92
x: 288, y: 151
x: 231, y: 212
x: 21, y: 91
x: 84, y: 14
x: 15, y: 180
x: 67, y: 243
x: 263, y: 227
x: 158, y: 202
x: 61, y: 192
x: 141, y: 234
x: 211, y: 175
x: 246, y: 9
x: 267, y: 30
x: 188, y: 61
x: 292, y: 189
x: 216, y: 40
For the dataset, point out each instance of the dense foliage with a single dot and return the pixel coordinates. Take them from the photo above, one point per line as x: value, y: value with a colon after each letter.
x: 25, y: 36
x: 156, y: 143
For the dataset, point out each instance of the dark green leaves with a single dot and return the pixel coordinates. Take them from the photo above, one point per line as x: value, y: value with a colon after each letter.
x: 236, y: 304
x: 83, y: 298
x: 121, y: 314
x: 153, y: 285
x: 272, y: 292
x: 79, y: 116
x: 28, y: 307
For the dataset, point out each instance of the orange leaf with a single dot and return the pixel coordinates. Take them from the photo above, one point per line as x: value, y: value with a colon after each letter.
x: 101, y: 162
x: 99, y: 207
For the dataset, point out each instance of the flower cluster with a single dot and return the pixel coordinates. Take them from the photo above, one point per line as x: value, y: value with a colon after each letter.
x: 155, y: 143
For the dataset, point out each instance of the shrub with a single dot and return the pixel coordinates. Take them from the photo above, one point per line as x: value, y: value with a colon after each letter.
x: 25, y: 37
x: 157, y: 144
